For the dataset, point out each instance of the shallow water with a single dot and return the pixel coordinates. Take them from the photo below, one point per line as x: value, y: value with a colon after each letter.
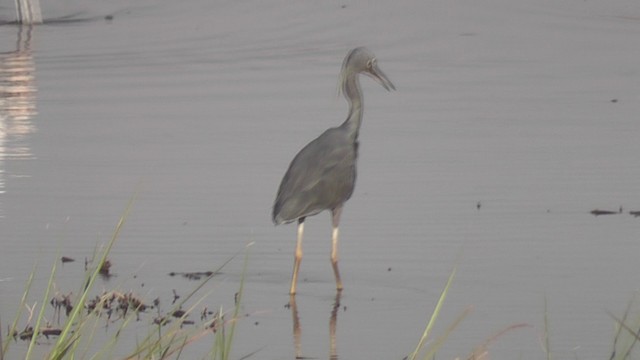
x: 529, y: 108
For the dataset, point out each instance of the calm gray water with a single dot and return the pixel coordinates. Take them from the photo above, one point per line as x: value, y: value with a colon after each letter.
x: 528, y: 107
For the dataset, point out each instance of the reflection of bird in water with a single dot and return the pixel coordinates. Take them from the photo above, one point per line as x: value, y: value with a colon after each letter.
x: 297, y: 328
x: 322, y: 175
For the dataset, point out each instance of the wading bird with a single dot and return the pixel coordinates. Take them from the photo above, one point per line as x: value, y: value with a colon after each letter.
x: 322, y: 175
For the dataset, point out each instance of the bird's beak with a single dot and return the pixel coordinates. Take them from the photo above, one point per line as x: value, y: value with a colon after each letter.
x: 380, y: 78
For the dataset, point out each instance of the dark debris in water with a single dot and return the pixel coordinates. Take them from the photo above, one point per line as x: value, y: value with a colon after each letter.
x: 598, y: 212
x: 175, y: 296
x: 178, y: 313
x: 105, y: 269
x: 28, y: 333
x: 61, y: 301
x: 114, y: 306
x: 195, y: 275
x: 66, y: 259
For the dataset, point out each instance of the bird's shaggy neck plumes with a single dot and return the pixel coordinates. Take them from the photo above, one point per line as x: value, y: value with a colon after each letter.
x: 352, y: 92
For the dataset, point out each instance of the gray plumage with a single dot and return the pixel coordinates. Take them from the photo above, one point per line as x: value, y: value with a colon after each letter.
x: 322, y: 175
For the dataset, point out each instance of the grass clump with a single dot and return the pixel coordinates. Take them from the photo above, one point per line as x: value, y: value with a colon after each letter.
x: 626, y: 339
x: 627, y: 334
x: 166, y: 336
x: 428, y: 347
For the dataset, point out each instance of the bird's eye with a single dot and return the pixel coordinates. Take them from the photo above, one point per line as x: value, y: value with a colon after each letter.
x: 371, y: 63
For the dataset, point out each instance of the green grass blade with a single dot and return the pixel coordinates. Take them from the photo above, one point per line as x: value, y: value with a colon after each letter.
x: 36, y: 328
x: 65, y: 339
x: 23, y: 302
x: 434, y: 316
x: 437, y: 344
x: 238, y: 301
x: 547, y: 346
x: 482, y: 351
x: 1, y: 347
x: 627, y: 328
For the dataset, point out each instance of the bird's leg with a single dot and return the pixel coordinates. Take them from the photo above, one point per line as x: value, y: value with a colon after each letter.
x: 297, y: 258
x: 335, y: 220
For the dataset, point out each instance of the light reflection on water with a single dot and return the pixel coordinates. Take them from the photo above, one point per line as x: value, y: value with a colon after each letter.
x: 17, y: 103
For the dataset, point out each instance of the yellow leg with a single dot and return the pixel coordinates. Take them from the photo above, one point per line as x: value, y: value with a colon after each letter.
x: 298, y: 257
x: 334, y: 246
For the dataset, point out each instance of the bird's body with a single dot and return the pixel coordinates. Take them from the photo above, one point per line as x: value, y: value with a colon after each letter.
x: 303, y: 194
x: 322, y: 175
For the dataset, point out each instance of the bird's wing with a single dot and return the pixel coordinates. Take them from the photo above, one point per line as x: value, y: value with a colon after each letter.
x: 319, y: 177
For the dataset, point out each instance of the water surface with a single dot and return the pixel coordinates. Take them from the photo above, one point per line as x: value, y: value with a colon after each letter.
x: 529, y: 108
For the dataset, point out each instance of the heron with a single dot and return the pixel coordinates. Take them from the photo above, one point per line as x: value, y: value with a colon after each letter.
x: 322, y: 175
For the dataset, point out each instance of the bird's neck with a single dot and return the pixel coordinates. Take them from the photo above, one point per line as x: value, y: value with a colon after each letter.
x: 353, y: 94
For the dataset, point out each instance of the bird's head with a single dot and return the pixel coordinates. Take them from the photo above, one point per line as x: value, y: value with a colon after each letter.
x: 361, y: 60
